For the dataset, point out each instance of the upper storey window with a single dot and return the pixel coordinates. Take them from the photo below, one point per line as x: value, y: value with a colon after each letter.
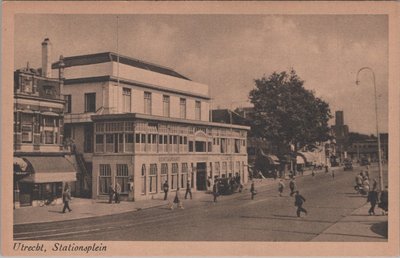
x: 182, y: 105
x: 27, y: 84
x: 90, y: 102
x: 49, y: 90
x: 68, y: 103
x: 198, y: 110
x: 147, y: 103
x: 166, y: 105
x: 126, y: 99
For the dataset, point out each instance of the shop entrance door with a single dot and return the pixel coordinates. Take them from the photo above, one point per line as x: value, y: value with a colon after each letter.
x: 201, y: 179
x: 25, y: 195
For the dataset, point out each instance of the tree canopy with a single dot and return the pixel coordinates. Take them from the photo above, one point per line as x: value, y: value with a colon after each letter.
x: 287, y: 113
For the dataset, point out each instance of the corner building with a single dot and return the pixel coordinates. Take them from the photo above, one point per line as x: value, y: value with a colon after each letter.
x: 141, y: 124
x: 42, y: 166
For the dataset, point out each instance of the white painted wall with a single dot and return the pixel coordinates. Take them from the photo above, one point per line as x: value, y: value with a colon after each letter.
x: 110, y: 94
x: 138, y: 100
x: 174, y: 106
x: 157, y: 104
x: 77, y: 91
x: 82, y: 71
x: 190, y: 104
x: 149, y: 77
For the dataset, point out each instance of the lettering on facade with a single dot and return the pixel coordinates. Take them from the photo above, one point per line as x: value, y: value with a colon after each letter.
x: 201, y: 158
x: 166, y: 159
x: 227, y: 158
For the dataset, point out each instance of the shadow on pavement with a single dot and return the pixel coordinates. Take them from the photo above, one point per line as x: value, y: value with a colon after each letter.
x: 380, y: 228
x: 60, y: 211
x: 285, y: 217
x: 105, y: 202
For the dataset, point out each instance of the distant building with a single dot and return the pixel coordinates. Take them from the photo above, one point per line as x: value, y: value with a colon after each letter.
x: 41, y: 164
x: 369, y: 148
x: 140, y: 124
x: 341, y: 135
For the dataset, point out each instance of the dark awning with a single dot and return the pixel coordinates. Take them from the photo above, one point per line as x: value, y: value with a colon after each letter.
x: 50, y: 169
x: 272, y: 159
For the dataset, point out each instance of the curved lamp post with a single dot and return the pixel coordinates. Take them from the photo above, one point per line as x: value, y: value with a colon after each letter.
x: 376, y: 120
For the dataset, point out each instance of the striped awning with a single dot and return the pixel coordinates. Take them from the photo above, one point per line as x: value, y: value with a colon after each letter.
x: 50, y: 169
x: 48, y: 113
x: 300, y: 159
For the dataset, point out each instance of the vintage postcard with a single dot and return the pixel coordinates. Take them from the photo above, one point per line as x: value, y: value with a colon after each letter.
x: 200, y: 128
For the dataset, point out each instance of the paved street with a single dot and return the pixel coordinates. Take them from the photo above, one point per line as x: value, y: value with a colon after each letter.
x: 331, y: 203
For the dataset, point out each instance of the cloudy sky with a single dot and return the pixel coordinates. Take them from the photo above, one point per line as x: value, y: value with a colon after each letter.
x: 227, y: 52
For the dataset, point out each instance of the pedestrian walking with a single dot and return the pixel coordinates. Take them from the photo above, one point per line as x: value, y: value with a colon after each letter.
x: 373, y: 200
x: 166, y: 189
x: 111, y: 193
x: 66, y: 196
x: 117, y: 193
x: 281, y: 186
x: 177, y: 201
x: 252, y: 190
x: 384, y: 201
x: 299, y: 201
x: 188, y: 190
x: 292, y: 186
x: 215, y: 191
x: 313, y: 171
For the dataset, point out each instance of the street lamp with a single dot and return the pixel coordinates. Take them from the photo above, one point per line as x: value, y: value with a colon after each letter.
x: 376, y: 120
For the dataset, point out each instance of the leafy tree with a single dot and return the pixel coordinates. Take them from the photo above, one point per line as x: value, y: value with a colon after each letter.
x: 287, y: 113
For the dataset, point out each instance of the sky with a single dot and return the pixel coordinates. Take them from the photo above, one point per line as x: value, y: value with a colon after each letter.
x: 228, y: 52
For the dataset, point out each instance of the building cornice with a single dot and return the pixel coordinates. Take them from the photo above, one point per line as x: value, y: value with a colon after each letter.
x: 125, y: 116
x: 108, y: 78
x: 31, y: 97
x: 113, y: 57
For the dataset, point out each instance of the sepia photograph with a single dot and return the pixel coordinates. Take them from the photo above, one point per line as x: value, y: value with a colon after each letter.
x: 199, y: 127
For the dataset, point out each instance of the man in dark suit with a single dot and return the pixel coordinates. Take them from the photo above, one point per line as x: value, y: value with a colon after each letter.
x: 299, y: 201
x: 166, y: 188
x: 111, y: 193
x: 188, y: 190
x: 373, y: 200
x: 66, y: 198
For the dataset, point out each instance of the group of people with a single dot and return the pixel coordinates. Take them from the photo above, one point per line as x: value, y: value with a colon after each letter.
x: 177, y: 199
x: 363, y: 186
x: 114, y: 193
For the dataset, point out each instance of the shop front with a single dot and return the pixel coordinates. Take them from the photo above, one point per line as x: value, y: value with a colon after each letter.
x: 44, y: 180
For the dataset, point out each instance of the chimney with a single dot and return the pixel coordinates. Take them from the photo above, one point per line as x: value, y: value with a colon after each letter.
x: 61, y: 68
x: 46, y: 58
x: 61, y: 75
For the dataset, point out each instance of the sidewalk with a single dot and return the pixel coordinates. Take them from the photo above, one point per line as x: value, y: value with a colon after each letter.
x: 86, y: 208
x: 81, y: 208
x: 357, y: 227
